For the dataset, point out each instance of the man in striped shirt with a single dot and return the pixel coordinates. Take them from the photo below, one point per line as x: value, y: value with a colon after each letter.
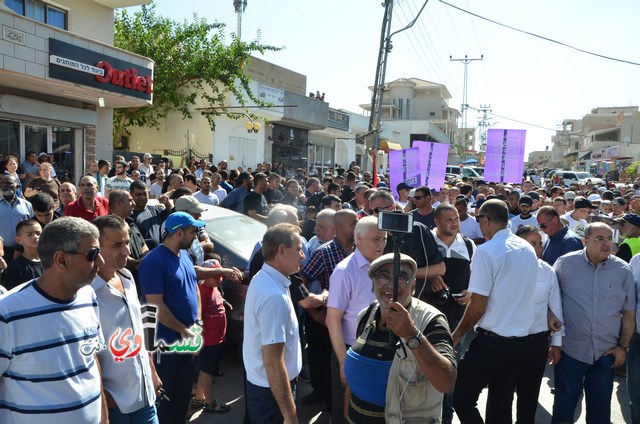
x: 50, y: 333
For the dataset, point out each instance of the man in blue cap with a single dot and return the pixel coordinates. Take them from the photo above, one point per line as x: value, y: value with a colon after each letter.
x: 630, y: 229
x: 169, y: 281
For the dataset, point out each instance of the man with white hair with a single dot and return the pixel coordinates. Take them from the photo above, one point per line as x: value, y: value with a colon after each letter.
x: 350, y: 293
x: 324, y: 229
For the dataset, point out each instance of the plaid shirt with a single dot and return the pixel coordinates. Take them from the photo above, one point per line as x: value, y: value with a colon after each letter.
x: 323, y: 262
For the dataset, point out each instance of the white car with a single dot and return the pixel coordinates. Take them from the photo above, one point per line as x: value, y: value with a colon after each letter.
x: 577, y: 177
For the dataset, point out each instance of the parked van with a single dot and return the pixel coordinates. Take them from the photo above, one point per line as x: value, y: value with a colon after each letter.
x: 463, y: 171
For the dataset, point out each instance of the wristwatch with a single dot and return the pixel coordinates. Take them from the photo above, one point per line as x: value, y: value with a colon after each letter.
x: 414, y: 342
x: 199, y: 322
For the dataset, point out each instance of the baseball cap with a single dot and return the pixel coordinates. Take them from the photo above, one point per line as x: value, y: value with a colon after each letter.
x: 594, y: 198
x: 382, y: 185
x: 601, y: 189
x: 533, y: 195
x: 147, y: 156
x: 479, y: 203
x: 631, y: 218
x: 570, y: 195
x: 403, y: 186
x: 619, y: 201
x: 412, y: 193
x: 388, y: 259
x: 178, y: 220
x: 581, y: 202
x: 526, y: 200
x: 189, y: 204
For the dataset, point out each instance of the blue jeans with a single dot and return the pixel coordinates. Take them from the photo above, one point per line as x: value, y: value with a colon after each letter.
x: 633, y: 378
x: 571, y: 376
x: 146, y: 415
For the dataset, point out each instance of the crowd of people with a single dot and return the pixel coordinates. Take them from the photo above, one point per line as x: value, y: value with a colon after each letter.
x: 494, y: 282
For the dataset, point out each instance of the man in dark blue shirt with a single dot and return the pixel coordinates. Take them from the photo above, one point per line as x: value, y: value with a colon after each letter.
x: 561, y: 239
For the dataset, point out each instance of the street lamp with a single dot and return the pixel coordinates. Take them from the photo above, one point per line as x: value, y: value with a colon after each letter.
x: 252, y: 127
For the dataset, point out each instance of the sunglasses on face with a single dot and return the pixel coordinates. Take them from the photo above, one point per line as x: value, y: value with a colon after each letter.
x: 92, y: 254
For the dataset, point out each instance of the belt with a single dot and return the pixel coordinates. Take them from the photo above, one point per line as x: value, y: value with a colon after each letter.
x: 488, y: 333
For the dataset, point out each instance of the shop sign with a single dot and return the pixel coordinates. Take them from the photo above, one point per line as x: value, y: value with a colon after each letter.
x: 338, y: 120
x: 93, y: 69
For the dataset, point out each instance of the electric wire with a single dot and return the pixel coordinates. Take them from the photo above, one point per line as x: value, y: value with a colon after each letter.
x: 434, y: 69
x: 515, y: 120
x: 436, y: 56
x: 542, y: 37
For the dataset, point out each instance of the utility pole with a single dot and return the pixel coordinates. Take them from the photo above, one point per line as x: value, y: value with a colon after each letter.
x: 465, y: 105
x: 381, y: 69
x: 483, y: 124
x: 240, y: 6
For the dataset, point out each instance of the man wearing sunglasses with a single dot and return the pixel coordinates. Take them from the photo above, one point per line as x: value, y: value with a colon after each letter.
x: 503, y: 284
x: 561, y: 239
x: 59, y: 380
x: 423, y: 212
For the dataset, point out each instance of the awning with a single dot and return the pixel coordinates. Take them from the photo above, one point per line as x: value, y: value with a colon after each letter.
x: 470, y: 161
x: 570, y: 154
x: 388, y: 145
x: 582, y: 155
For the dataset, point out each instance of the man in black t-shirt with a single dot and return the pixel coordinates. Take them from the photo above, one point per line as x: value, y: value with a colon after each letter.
x: 255, y: 204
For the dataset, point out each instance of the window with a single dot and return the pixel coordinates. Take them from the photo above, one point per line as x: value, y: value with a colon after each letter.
x: 432, y: 114
x: 407, y: 109
x: 39, y: 11
x: 400, y: 108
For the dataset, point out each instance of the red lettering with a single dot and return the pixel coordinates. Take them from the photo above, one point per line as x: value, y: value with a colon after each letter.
x: 107, y: 71
x: 128, y: 78
x: 118, y: 77
x: 141, y: 84
x: 149, y: 85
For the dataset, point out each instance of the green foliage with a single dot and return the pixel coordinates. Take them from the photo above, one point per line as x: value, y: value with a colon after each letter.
x: 193, y: 65
x: 632, y: 169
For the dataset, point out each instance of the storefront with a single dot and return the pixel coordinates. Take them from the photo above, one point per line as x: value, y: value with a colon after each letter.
x: 59, y: 90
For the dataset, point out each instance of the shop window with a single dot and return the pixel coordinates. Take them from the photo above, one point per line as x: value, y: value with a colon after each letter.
x: 9, y: 139
x: 63, y: 142
x: 39, y: 11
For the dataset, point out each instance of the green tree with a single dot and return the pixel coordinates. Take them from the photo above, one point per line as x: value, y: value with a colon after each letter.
x: 192, y: 64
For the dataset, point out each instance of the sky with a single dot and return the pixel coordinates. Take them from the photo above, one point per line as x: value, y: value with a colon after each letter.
x: 335, y: 44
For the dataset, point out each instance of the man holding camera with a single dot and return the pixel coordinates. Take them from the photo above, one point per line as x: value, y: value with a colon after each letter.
x: 449, y: 291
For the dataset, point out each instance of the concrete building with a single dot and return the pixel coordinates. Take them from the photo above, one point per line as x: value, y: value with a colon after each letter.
x: 297, y: 130
x: 61, y: 78
x: 539, y: 159
x: 604, y: 135
x: 415, y: 109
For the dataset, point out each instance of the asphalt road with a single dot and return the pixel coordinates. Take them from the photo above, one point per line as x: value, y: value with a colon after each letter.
x: 229, y: 389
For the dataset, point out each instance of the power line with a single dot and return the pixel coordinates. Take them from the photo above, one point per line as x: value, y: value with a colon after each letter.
x: 542, y: 37
x: 514, y: 120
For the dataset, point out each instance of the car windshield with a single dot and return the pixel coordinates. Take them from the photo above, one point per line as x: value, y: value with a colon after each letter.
x: 238, y: 233
x: 583, y: 175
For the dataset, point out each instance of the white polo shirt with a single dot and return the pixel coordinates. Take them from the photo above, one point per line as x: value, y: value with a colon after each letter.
x: 270, y: 318
x: 504, y: 269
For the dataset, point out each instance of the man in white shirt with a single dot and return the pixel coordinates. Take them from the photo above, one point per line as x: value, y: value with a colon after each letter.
x: 457, y: 252
x: 204, y: 195
x: 469, y: 227
x: 146, y: 167
x: 525, y: 217
x: 271, y: 346
x: 129, y: 377
x: 215, y: 187
x: 502, y: 286
x: 577, y: 218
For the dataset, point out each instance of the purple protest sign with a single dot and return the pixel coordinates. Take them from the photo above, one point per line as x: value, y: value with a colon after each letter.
x: 504, y: 161
x: 433, y: 163
x: 404, y: 166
